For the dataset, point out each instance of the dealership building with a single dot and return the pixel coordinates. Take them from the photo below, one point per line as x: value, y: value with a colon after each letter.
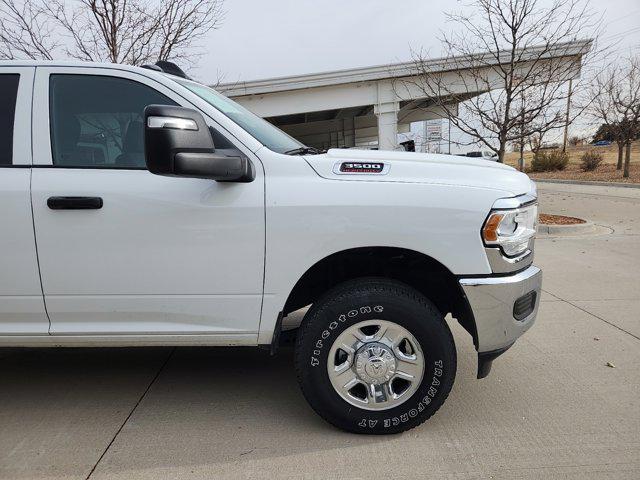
x: 367, y: 106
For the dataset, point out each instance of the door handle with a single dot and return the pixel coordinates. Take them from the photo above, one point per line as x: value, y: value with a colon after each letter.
x: 74, y: 203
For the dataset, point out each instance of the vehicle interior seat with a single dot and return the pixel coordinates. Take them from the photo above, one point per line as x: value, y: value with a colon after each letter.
x: 68, y: 134
x: 132, y: 147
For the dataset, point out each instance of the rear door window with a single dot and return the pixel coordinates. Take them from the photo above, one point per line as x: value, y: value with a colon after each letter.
x: 8, y: 96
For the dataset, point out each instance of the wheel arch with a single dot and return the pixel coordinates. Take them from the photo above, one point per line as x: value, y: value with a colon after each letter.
x: 418, y: 270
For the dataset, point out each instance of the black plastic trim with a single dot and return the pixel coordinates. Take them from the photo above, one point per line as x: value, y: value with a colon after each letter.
x: 485, y: 360
x: 494, y: 275
x: 528, y: 301
x: 87, y: 167
x: 74, y: 203
x: 275, y: 339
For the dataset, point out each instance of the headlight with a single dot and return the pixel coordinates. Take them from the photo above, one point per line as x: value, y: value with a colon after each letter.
x: 511, y: 230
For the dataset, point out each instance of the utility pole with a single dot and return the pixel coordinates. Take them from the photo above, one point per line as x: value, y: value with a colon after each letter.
x: 566, y: 120
x: 521, y: 160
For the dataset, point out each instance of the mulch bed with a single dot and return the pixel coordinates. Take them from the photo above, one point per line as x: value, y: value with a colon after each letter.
x: 546, y: 219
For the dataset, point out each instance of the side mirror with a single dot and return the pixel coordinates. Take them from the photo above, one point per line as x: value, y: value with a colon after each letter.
x: 178, y: 143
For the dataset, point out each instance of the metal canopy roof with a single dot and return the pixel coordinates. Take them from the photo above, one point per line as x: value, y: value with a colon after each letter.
x: 396, y: 70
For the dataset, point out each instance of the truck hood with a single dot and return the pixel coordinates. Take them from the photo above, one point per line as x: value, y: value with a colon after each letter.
x: 411, y: 167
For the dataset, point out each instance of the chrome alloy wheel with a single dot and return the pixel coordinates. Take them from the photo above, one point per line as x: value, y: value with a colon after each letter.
x: 375, y: 365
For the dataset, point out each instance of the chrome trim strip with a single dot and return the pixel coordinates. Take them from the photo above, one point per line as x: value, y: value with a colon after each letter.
x: 508, y: 280
x: 134, y: 340
x: 499, y: 263
x: 176, y: 123
x: 514, y: 202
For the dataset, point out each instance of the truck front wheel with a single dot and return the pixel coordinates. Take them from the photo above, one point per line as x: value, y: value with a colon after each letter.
x: 375, y: 356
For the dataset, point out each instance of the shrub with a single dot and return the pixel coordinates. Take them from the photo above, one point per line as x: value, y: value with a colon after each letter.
x: 575, y: 141
x: 549, y: 161
x: 589, y: 161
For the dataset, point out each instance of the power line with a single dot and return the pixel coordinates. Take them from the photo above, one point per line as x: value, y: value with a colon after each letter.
x: 623, y: 34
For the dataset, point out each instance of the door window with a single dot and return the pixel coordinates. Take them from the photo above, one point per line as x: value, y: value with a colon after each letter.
x: 8, y: 95
x: 97, y: 121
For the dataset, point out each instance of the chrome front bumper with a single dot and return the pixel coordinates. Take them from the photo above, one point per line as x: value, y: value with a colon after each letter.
x: 493, y: 303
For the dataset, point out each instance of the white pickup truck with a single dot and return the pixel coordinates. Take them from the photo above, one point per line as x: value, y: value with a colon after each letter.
x: 141, y: 208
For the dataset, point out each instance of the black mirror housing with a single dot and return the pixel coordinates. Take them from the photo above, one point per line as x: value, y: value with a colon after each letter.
x: 178, y: 143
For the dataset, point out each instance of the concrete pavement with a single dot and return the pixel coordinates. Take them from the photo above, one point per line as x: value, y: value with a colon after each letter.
x: 551, y: 408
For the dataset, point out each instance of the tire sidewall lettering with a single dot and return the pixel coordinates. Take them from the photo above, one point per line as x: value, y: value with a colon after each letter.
x: 396, y: 420
x: 342, y: 318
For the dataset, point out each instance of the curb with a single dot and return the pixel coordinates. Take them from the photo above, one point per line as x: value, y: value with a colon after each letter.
x: 575, y: 229
x: 586, y: 182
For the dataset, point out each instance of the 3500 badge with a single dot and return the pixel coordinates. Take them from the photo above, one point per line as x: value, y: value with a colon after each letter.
x: 361, y: 167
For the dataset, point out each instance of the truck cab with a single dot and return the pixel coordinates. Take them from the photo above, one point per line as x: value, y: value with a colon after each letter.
x: 141, y: 208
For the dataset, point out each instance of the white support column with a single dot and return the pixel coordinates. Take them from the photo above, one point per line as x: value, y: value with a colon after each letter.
x: 349, y: 131
x: 387, y: 114
x: 386, y: 109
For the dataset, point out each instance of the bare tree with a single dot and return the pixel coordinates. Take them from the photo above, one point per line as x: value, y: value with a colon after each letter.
x: 119, y: 31
x: 616, y: 104
x: 602, y: 108
x: 516, y: 87
x: 534, y: 142
x: 25, y: 31
x: 627, y: 104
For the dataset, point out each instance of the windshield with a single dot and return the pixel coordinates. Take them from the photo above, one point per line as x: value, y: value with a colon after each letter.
x: 271, y: 137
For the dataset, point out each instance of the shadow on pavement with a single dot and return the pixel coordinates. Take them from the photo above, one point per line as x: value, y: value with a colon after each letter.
x: 60, y: 408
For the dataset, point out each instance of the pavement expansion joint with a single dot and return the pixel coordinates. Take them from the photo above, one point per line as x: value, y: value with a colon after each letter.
x: 153, y: 380
x: 593, y: 315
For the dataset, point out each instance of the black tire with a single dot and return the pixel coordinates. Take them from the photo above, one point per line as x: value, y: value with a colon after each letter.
x: 395, y: 302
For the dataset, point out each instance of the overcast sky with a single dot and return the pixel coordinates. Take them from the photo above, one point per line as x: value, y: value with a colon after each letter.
x: 273, y: 38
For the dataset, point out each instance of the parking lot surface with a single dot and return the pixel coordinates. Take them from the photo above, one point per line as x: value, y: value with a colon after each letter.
x: 562, y: 403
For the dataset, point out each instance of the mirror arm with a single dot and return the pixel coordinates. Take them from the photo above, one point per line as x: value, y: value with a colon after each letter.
x: 209, y: 165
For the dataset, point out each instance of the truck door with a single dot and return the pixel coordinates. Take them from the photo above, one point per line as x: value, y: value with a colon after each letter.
x: 136, y: 253
x: 21, y: 304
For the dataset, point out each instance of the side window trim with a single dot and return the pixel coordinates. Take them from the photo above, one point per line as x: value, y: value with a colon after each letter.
x: 22, y: 148
x: 9, y: 84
